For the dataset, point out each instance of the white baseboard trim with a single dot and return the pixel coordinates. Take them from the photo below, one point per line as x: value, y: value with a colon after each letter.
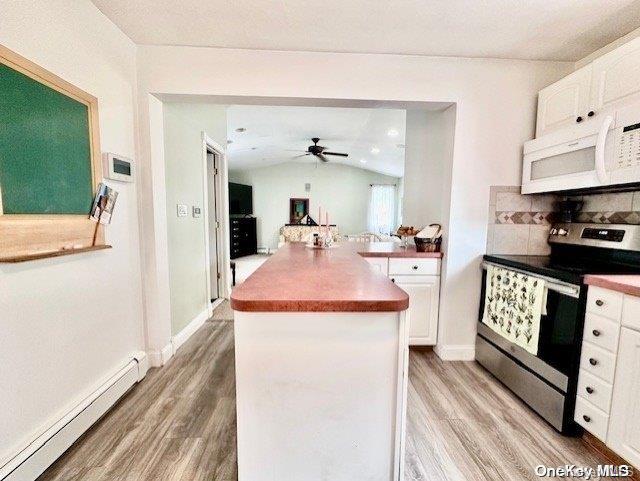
x: 161, y: 357
x: 455, y: 352
x: 42, y: 451
x: 195, y: 323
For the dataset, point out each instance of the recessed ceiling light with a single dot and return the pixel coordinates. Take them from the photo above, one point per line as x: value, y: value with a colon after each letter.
x: 363, y: 161
x: 392, y: 133
x: 241, y: 129
x: 375, y: 150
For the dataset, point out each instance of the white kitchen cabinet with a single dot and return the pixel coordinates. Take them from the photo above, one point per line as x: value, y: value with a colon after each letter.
x: 422, y: 315
x: 379, y: 263
x: 624, y: 424
x: 560, y: 104
x: 615, y: 77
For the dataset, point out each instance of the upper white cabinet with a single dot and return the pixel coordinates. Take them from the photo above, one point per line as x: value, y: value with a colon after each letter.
x: 624, y: 424
x: 615, y: 76
x: 596, y: 89
x: 565, y: 102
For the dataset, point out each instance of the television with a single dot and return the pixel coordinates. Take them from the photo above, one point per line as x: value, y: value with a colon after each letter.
x: 240, y: 199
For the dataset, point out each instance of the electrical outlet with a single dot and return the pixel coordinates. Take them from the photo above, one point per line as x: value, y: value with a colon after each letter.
x: 196, y: 211
x: 183, y: 210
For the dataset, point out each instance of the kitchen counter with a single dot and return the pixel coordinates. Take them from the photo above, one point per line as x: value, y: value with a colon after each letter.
x: 391, y: 249
x: 625, y: 284
x: 321, y: 356
x: 298, y: 279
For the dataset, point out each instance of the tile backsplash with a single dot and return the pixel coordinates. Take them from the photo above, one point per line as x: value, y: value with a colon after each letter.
x: 519, y: 224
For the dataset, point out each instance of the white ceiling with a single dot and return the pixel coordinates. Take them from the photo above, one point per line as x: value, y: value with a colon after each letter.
x: 278, y: 134
x: 524, y: 29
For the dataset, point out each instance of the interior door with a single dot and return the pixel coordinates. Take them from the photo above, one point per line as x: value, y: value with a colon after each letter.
x: 214, y: 226
x: 560, y: 104
x: 422, y: 315
x: 624, y: 424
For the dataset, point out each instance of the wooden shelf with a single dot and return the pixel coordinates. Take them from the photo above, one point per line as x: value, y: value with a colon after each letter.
x: 47, y: 255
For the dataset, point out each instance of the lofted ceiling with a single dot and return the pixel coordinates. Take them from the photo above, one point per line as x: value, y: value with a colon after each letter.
x: 274, y: 135
x: 520, y: 29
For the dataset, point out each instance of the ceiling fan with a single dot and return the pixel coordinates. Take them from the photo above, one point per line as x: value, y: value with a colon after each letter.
x: 319, y: 151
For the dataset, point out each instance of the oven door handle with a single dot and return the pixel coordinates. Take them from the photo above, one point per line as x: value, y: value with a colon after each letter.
x: 551, y: 284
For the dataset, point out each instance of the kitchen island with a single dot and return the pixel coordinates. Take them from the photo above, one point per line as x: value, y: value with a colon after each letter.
x: 321, y: 368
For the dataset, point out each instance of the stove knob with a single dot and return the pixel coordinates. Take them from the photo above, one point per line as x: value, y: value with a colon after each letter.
x: 562, y: 232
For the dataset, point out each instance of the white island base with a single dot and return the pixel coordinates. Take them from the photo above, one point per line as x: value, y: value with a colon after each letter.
x: 321, y: 395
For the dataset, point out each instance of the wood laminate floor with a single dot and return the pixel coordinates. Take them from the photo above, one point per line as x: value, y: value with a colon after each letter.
x: 178, y: 424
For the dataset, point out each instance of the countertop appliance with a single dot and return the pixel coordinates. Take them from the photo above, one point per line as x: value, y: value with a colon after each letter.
x: 547, y: 381
x: 601, y: 153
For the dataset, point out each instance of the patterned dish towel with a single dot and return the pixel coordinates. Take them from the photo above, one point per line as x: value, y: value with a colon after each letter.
x: 513, y: 306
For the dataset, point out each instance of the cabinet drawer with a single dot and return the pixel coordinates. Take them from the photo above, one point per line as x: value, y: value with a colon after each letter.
x: 379, y: 263
x: 595, y: 390
x: 604, y: 302
x: 411, y: 266
x: 591, y: 418
x: 631, y: 312
x: 602, y: 332
x: 597, y: 361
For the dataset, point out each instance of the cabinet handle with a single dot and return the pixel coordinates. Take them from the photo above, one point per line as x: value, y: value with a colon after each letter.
x: 586, y: 418
x: 596, y: 333
x: 593, y: 361
x: 589, y: 390
x: 415, y: 268
x: 393, y: 280
x: 591, y: 113
x: 599, y: 303
x: 579, y: 119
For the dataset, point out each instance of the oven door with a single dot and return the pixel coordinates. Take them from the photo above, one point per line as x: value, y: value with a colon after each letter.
x: 560, y: 333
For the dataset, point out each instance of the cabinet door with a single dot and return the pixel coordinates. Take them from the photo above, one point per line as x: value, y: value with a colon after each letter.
x: 624, y: 424
x: 560, y: 104
x: 615, y: 76
x: 422, y: 315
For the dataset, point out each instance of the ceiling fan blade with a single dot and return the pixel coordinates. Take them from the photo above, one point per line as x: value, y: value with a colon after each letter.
x: 294, y: 150
x: 322, y: 158
x: 301, y: 155
x: 335, y: 153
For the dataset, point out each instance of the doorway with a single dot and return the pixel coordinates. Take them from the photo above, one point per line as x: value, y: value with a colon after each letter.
x: 213, y: 225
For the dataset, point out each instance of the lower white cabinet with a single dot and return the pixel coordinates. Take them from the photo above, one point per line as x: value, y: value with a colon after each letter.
x: 379, y: 263
x: 422, y: 315
x: 624, y: 424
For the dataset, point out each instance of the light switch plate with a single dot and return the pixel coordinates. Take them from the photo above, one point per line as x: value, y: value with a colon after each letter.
x: 183, y: 210
x: 196, y: 211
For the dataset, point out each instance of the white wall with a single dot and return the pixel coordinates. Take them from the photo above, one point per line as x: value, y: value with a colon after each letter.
x: 426, y: 167
x: 184, y: 174
x: 495, y: 114
x: 70, y: 322
x: 340, y: 189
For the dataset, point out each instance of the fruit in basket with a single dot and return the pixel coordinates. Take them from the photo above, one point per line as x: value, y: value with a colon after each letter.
x: 407, y: 231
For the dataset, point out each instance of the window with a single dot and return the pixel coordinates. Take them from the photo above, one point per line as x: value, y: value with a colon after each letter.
x: 382, y: 206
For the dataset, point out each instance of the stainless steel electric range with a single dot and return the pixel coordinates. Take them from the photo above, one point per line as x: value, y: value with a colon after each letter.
x: 547, y: 381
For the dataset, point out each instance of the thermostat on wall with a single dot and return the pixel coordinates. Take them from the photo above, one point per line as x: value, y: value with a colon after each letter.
x: 117, y: 167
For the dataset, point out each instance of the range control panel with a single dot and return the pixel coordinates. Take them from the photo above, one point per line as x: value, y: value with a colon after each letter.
x: 628, y: 147
x: 611, y: 235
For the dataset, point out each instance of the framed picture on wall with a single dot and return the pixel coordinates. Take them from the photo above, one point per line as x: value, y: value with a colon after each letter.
x: 298, y: 208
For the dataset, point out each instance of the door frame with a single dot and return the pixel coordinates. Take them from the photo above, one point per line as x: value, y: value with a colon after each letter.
x: 222, y: 216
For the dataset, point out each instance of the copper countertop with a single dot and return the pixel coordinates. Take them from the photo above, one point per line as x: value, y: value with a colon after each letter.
x: 626, y: 284
x: 335, y: 280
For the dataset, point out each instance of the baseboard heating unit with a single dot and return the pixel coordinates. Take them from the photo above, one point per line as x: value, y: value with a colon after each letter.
x: 42, y: 451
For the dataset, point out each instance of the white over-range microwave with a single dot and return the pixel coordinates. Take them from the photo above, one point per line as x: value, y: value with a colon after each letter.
x: 604, y: 152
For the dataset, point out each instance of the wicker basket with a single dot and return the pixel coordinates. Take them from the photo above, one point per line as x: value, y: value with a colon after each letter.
x: 428, y: 245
